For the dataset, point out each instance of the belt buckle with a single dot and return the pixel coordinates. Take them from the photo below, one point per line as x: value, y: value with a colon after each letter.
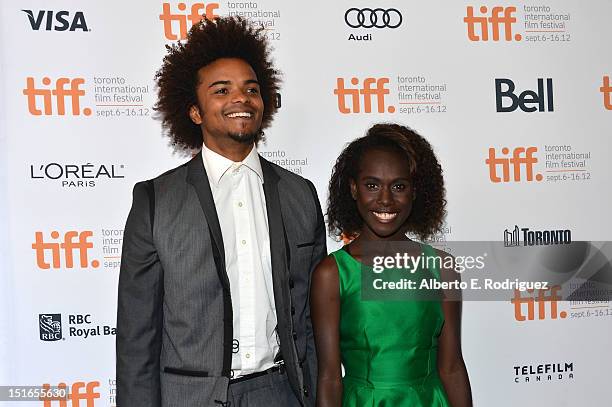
x: 280, y: 365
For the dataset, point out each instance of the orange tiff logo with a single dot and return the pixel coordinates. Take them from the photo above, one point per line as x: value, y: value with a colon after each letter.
x: 545, y: 301
x: 478, y: 27
x: 198, y: 12
x: 75, y: 395
x: 521, y: 163
x: 606, y: 90
x: 65, y: 88
x: 372, y: 87
x: 68, y: 246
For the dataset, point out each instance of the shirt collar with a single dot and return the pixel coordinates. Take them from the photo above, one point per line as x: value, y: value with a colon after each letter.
x: 217, y: 165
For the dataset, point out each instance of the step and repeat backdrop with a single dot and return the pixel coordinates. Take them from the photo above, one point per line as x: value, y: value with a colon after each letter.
x: 516, y: 98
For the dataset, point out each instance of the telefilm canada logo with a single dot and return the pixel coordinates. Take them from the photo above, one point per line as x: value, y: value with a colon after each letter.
x: 544, y: 372
x: 371, y: 19
x: 51, y: 20
x: 50, y: 327
x: 76, y: 175
x: 80, y: 326
x: 527, y: 237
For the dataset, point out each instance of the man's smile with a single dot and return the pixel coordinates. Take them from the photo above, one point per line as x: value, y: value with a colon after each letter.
x: 233, y: 115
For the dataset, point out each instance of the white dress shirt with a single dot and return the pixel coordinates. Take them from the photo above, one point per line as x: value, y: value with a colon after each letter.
x: 237, y: 189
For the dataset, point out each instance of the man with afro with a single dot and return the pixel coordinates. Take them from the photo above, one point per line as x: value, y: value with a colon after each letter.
x: 217, y: 255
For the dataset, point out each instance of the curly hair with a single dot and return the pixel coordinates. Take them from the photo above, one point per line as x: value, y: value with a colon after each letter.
x: 207, y: 41
x: 428, y: 209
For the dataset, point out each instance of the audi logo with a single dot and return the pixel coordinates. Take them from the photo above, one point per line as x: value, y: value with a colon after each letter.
x: 369, y: 18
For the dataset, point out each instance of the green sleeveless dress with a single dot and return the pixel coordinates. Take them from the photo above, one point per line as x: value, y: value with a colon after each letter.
x: 389, y: 348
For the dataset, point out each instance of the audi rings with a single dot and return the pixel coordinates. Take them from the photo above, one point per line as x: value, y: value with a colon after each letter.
x: 369, y: 18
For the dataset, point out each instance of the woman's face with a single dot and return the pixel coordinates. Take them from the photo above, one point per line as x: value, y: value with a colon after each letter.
x: 384, y: 194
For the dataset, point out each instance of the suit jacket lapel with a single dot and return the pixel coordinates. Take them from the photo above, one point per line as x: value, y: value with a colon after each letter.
x: 197, y: 177
x: 275, y: 226
x: 278, y: 253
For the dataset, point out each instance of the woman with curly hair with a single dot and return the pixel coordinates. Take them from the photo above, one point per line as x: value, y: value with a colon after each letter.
x: 384, y: 186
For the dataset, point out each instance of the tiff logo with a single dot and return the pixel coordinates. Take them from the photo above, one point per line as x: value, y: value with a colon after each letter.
x: 527, y: 101
x: 75, y: 395
x: 544, y: 301
x: 198, y: 12
x: 354, y: 105
x: 73, y: 93
x: 68, y: 246
x: 606, y: 90
x: 57, y: 21
x: 521, y: 157
x: 500, y: 16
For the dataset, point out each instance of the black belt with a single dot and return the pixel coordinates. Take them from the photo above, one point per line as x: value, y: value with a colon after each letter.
x: 276, y: 368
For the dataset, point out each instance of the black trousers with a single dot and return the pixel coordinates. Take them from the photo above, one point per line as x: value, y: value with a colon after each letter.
x: 269, y: 390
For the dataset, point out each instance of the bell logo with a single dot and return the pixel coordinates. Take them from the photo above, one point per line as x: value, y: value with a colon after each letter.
x: 73, y: 93
x: 198, y: 12
x: 606, y: 90
x: 521, y: 157
x: 68, y: 246
x: 527, y: 101
x: 56, y: 21
x: 354, y: 106
x: 79, y: 391
x: 500, y: 16
x: 552, y: 299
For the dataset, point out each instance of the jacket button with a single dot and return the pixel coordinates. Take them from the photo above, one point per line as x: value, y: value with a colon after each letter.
x: 294, y: 336
x: 291, y: 283
x: 305, y: 392
x: 292, y: 310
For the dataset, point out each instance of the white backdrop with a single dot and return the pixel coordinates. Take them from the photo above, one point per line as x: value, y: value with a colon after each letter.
x: 66, y: 177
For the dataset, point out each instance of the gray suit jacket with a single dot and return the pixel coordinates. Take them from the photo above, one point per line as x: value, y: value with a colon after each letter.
x: 174, y: 317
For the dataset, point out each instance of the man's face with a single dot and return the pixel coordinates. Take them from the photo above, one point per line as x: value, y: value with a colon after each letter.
x: 230, y: 107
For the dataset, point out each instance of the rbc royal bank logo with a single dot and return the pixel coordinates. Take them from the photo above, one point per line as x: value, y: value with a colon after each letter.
x: 360, y: 98
x: 56, y: 20
x: 173, y: 19
x: 50, y: 326
x: 54, y: 97
x: 490, y: 24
